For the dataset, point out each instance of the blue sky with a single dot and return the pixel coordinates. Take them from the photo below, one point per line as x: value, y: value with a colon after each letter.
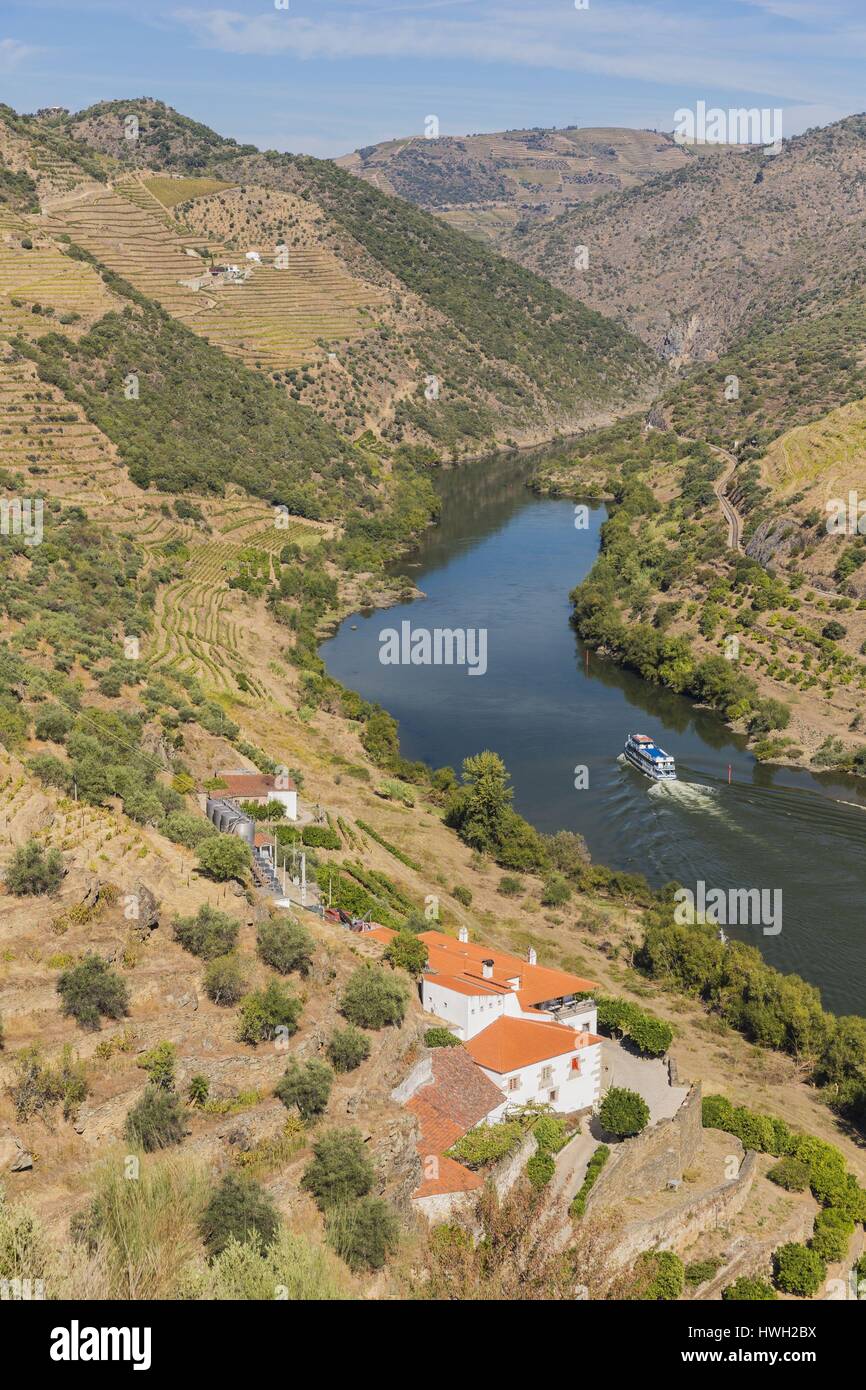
x: 326, y: 76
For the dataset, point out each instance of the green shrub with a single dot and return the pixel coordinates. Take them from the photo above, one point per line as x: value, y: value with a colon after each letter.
x: 222, y: 857
x: 90, y: 990
x: 832, y: 1234
x: 374, y: 998
x: 487, y: 1144
x: 623, y: 1112
x: 540, y: 1168
x: 594, y: 1167
x: 699, y: 1271
x: 549, y: 1133
x: 555, y: 891
x: 509, y: 886
x: 210, y: 933
x: 33, y: 870
x: 716, y: 1112
x: 462, y: 895
x: 340, y: 1169
x: 184, y: 829
x: 53, y: 723
x: 348, y: 1048
x: 307, y: 1086
x: 198, y: 1090
x: 51, y: 771
x: 798, y: 1270
x: 749, y: 1290
x: 156, y: 1121
x: 238, y: 1210
x: 790, y: 1173
x: 225, y: 980
x: 665, y: 1274
x: 321, y: 837
x: 159, y: 1063
x: 269, y: 1013
x: 441, y: 1037
x: 285, y: 945
x: 407, y: 952
x: 620, y: 1017
x: 39, y: 1088
x: 363, y: 1233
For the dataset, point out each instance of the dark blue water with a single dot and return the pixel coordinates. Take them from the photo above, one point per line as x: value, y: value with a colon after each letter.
x: 504, y: 560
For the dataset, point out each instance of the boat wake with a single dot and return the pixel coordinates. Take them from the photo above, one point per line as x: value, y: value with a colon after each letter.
x: 690, y: 796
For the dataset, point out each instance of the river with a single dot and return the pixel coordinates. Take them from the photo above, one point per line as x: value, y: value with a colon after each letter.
x: 504, y: 560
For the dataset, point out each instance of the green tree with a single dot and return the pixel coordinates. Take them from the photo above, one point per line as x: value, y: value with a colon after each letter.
x: 225, y: 980
x: 623, y: 1112
x: 555, y: 891
x: 407, y: 952
x: 238, y: 1210
x: 791, y: 1173
x: 348, y: 1048
x: 285, y: 945
x: 540, y: 1168
x: 53, y: 723
x: 307, y: 1086
x: 374, y: 998
x: 440, y: 1037
x: 269, y: 1013
x: 340, y: 1169
x: 33, y: 870
x: 363, y: 1233
x: 798, y: 1270
x: 159, y: 1063
x: 222, y: 857
x: 481, y: 813
x: 832, y: 1234
x: 210, y: 933
x: 91, y: 989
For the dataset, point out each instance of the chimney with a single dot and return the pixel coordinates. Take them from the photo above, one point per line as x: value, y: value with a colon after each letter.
x: 532, y: 958
x: 463, y: 934
x: 487, y: 969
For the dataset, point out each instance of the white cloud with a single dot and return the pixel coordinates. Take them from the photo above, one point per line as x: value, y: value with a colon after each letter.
x: 631, y: 41
x: 13, y: 53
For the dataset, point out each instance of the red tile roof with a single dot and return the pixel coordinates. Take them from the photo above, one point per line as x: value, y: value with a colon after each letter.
x: 512, y: 1043
x: 534, y: 984
x: 457, y: 1099
x: 252, y: 784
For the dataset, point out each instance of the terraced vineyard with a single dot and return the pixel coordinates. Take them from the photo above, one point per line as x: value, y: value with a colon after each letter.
x: 278, y: 315
x: 137, y: 245
x: 273, y: 319
x: 45, y: 277
x: 200, y: 625
x: 43, y: 433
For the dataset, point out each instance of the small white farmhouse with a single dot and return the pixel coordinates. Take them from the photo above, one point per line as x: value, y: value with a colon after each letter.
x: 261, y: 788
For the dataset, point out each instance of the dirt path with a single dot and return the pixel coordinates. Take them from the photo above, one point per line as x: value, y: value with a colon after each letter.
x: 731, y: 515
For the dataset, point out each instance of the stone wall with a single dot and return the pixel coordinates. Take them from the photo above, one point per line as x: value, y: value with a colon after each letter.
x: 648, y: 1162
x: 677, y: 1227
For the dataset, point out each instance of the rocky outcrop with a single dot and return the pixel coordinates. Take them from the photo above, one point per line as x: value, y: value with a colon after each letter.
x: 774, y: 541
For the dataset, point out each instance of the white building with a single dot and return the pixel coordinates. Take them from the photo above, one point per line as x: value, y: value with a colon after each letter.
x: 261, y: 788
x: 526, y: 1026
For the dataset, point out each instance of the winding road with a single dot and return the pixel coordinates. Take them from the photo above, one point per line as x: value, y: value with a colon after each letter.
x: 731, y: 515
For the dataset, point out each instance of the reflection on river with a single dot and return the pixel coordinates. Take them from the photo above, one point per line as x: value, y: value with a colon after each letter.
x: 504, y: 560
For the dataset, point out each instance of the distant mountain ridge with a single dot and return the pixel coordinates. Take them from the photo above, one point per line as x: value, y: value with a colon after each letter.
x: 486, y: 184
x: 382, y: 319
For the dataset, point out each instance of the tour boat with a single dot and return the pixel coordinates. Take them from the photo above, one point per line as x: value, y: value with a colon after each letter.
x: 645, y: 754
